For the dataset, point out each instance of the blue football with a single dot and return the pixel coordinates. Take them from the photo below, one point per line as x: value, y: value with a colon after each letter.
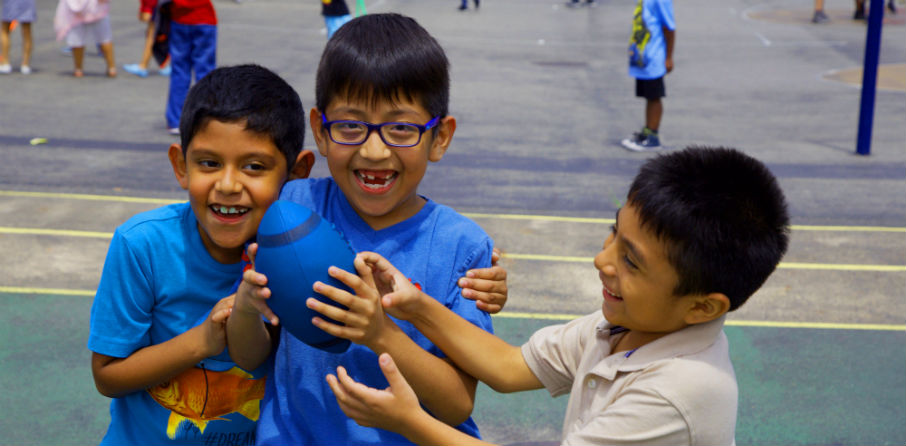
x: 295, y: 249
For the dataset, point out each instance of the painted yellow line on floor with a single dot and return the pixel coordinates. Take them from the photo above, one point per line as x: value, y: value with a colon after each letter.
x: 782, y: 265
x: 541, y: 316
x: 730, y: 323
x: 530, y: 257
x: 56, y: 291
x: 125, y: 199
x: 56, y: 232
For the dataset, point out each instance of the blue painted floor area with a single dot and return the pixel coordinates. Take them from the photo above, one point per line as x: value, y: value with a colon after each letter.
x: 797, y: 386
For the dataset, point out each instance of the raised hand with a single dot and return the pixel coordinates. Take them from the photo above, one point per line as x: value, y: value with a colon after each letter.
x: 252, y: 295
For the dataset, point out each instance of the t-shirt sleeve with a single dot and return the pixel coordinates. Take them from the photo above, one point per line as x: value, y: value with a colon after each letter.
x: 665, y: 12
x: 553, y: 353
x: 122, y: 308
x: 479, y: 257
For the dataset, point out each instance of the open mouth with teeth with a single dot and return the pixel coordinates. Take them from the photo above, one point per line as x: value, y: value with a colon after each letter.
x: 376, y: 181
x: 610, y: 295
x: 228, y: 212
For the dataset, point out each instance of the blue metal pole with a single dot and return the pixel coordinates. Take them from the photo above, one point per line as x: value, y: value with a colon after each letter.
x: 870, y: 76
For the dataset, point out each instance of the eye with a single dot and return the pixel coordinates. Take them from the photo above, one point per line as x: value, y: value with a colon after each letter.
x: 402, y: 129
x: 629, y: 262
x: 256, y: 167
x: 208, y: 164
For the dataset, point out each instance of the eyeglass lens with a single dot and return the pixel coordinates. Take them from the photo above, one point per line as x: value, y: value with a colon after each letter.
x: 349, y: 132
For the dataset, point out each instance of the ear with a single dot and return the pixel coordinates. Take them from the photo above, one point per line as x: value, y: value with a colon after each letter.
x: 302, y: 168
x: 441, y: 141
x: 178, y: 161
x: 707, y: 307
x: 318, y: 130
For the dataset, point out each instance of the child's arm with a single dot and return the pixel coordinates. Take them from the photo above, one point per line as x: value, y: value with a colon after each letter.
x: 477, y: 352
x: 669, y: 38
x: 249, y: 339
x: 395, y: 408
x: 447, y: 392
x: 115, y: 377
x: 486, y: 286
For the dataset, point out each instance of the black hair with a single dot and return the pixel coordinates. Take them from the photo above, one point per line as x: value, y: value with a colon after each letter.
x: 384, y: 57
x: 268, y: 104
x: 721, y: 214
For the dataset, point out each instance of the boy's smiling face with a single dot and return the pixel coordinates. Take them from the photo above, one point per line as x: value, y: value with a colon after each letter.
x: 638, y: 282
x: 381, y: 181
x: 232, y: 175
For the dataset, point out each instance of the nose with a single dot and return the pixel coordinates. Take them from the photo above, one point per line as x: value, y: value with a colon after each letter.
x: 374, y: 148
x: 229, y: 183
x: 604, y: 261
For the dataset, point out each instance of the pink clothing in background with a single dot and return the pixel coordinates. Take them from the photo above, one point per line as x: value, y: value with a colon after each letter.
x: 72, y: 13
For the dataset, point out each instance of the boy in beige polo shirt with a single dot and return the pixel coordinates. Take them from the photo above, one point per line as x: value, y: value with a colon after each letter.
x: 701, y: 231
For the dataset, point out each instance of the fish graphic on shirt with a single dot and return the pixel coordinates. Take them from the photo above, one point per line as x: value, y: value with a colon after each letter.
x: 200, y: 396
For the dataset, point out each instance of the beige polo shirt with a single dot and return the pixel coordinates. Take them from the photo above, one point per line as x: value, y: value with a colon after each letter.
x: 677, y: 390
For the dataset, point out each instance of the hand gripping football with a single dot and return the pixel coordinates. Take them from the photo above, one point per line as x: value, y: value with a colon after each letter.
x: 295, y: 248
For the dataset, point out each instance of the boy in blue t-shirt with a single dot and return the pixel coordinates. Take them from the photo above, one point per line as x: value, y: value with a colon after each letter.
x: 154, y: 351
x: 650, y: 59
x: 382, y: 95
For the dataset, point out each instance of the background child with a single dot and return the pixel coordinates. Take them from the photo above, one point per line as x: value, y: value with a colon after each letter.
x: 76, y: 20
x: 23, y: 13
x: 242, y: 138
x: 336, y: 14
x: 701, y: 231
x: 193, y: 47
x: 382, y: 97
x: 148, y: 13
x: 650, y: 59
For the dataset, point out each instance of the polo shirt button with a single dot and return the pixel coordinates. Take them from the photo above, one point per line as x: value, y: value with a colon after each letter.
x: 592, y: 383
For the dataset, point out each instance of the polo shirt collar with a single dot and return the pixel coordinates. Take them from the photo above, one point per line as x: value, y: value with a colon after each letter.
x: 688, y: 341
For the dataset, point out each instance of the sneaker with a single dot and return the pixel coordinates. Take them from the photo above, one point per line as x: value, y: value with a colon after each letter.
x: 173, y: 131
x: 891, y: 7
x: 643, y: 141
x: 820, y: 17
x: 859, y: 14
x: 135, y: 69
x: 165, y: 71
x: 6, y: 68
x: 25, y: 69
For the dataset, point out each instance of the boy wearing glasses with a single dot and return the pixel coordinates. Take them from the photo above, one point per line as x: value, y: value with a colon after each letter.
x: 382, y: 94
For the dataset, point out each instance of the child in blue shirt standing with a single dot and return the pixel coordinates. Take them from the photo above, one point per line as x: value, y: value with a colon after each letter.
x: 154, y: 351
x: 382, y: 96
x: 650, y: 59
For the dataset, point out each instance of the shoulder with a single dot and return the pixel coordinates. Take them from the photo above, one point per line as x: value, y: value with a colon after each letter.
x: 164, y: 218
x: 453, y: 223
x: 307, y: 189
x: 702, y: 391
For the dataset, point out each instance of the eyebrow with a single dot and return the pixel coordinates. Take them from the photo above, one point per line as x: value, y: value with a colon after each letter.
x: 640, y: 259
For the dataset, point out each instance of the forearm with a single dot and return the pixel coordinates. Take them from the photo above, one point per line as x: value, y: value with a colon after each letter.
x: 249, y: 339
x: 477, y: 352
x: 424, y: 430
x: 669, y: 39
x: 116, y: 377
x: 447, y: 392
